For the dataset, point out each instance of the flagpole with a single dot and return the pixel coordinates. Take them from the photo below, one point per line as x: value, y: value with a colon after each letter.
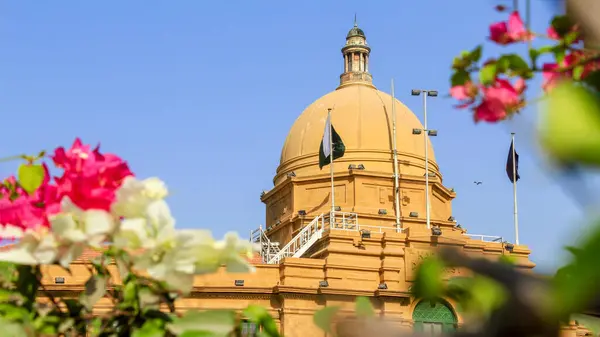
x: 514, y: 167
x: 427, y: 206
x: 396, y: 183
x: 331, y: 161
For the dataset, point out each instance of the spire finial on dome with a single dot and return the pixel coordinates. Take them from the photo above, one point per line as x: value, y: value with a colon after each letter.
x: 356, y: 58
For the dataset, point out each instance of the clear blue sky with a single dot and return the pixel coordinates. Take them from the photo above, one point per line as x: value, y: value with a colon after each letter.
x: 202, y: 94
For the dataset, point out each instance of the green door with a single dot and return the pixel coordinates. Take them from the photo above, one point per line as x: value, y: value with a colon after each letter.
x: 433, y: 318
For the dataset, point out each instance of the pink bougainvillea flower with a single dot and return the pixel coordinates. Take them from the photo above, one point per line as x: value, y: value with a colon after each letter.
x: 27, y: 211
x: 90, y: 178
x: 554, y: 73
x: 465, y: 93
x: 509, y: 32
x: 499, y: 100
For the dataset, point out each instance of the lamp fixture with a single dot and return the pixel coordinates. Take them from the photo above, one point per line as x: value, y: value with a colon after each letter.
x: 301, y: 212
x: 436, y: 231
x: 337, y: 208
x: 432, y: 133
x: 416, y: 131
x: 59, y: 280
x: 323, y: 284
x: 413, y: 214
x: 382, y: 286
x: 451, y: 218
x: 351, y: 167
x: 382, y: 211
x: 509, y: 246
x: 291, y: 174
x: 360, y: 167
x: 239, y: 283
x: 365, y: 234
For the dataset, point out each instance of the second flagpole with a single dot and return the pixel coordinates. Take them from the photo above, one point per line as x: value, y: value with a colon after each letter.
x: 514, y: 175
x: 331, y: 162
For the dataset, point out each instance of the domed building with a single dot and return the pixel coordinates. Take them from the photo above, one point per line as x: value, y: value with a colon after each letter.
x: 368, y: 243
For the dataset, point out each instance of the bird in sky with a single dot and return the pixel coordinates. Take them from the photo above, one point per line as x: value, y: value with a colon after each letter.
x: 477, y: 182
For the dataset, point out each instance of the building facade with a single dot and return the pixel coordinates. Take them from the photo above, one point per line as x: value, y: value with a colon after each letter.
x: 369, y: 244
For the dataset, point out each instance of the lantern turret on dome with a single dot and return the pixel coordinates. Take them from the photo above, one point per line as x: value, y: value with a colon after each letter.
x: 356, y: 58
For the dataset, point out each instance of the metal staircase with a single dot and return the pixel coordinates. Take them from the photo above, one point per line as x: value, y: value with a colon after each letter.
x: 302, y: 241
x: 306, y: 238
x: 268, y: 249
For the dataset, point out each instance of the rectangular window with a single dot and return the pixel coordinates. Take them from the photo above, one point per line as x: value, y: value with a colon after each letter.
x: 248, y: 329
x: 433, y: 329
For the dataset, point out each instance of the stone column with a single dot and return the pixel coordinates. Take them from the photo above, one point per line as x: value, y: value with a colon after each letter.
x: 345, y: 63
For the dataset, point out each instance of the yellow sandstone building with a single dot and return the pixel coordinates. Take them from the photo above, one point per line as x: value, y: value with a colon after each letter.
x: 312, y: 257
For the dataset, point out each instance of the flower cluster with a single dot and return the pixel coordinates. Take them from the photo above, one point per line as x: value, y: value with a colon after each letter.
x: 499, y: 93
x: 97, y: 203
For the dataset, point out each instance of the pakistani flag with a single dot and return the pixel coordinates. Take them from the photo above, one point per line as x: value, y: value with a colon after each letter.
x: 325, y: 150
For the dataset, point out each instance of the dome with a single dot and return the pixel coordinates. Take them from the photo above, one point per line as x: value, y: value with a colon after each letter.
x: 362, y: 116
x: 355, y: 31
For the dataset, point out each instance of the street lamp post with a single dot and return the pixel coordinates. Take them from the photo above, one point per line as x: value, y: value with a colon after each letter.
x: 426, y: 132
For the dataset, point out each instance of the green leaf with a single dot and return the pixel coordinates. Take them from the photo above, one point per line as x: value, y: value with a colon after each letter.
x: 12, y: 329
x: 324, y: 318
x: 364, y: 308
x: 514, y: 62
x: 573, y: 250
x: 218, y: 322
x: 31, y: 177
x: 261, y: 316
x: 590, y: 322
x: 570, y: 127
x: 460, y: 77
x: 95, y: 289
x: 559, y: 53
x: 475, y: 54
x: 130, y: 293
x: 570, y: 37
x: 13, y: 312
x: 201, y: 334
x: 576, y: 283
x: 507, y: 259
x: 428, y: 283
x: 151, y: 328
x: 487, y: 75
x: 592, y: 80
x: 577, y: 72
x: 477, y: 294
x: 562, y: 25
x: 533, y: 56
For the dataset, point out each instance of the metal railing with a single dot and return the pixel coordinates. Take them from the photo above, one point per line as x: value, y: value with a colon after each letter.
x: 268, y: 249
x: 485, y: 238
x: 342, y: 221
x: 302, y: 241
x: 332, y: 221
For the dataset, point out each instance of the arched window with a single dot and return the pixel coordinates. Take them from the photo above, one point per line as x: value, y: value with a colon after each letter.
x: 434, y: 318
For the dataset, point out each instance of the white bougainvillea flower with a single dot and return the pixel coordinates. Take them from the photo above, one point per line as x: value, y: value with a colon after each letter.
x: 134, y: 196
x: 235, y: 253
x: 155, y: 228
x: 75, y: 226
x: 33, y: 248
x: 231, y: 252
x: 173, y: 261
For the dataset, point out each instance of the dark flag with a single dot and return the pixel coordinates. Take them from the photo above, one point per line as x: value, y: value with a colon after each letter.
x: 325, y: 151
x: 509, y: 164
